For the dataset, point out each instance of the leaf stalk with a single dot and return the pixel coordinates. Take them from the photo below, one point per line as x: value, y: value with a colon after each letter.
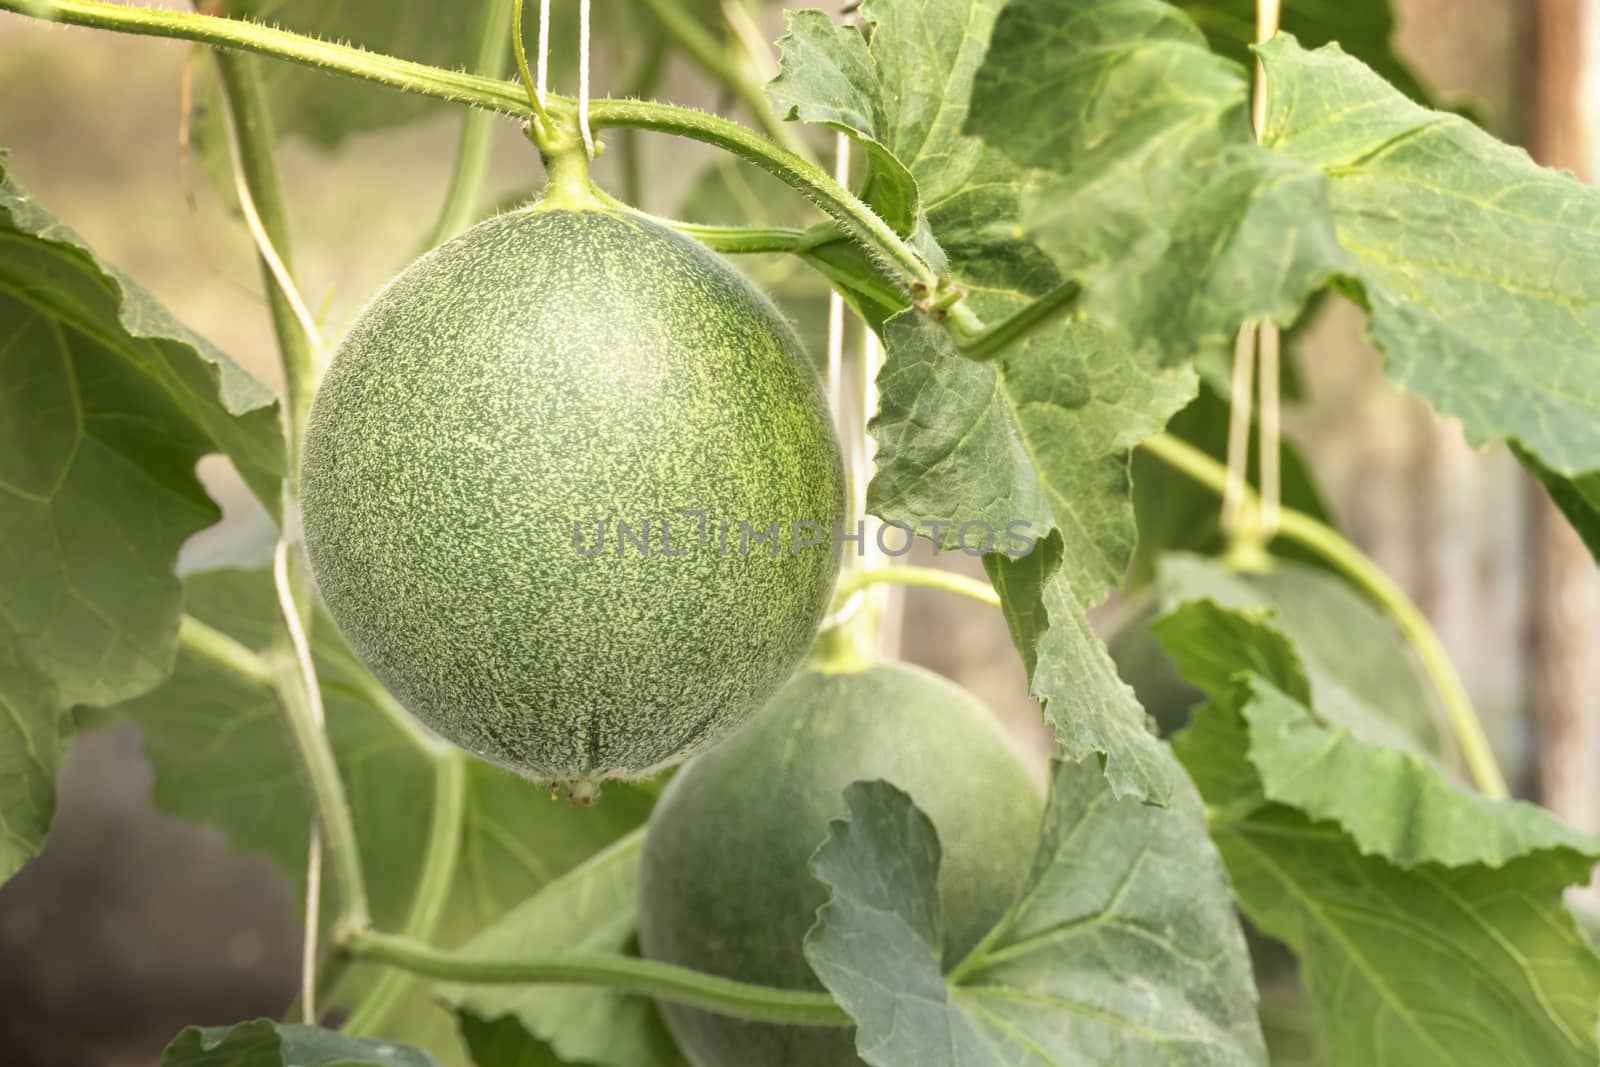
x: 626, y: 974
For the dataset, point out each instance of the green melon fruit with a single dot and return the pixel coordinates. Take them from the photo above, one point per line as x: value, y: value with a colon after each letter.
x: 726, y: 885
x: 545, y: 372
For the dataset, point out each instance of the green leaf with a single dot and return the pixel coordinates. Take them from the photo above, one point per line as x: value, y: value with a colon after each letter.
x: 1361, y: 670
x: 1149, y: 187
x: 1124, y: 948
x: 264, y: 1043
x: 504, y: 1043
x: 107, y: 404
x: 1480, y: 270
x: 220, y: 756
x: 1428, y: 920
x: 1477, y: 268
x: 825, y: 76
x: 1070, y: 672
x: 1364, y: 28
x: 1578, y: 498
x: 591, y: 909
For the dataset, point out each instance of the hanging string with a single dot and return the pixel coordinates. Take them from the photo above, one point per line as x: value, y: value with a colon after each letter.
x: 1256, y: 341
x: 1244, y: 369
x: 583, y: 76
x: 835, y: 380
x: 543, y: 80
x: 1270, y: 445
x: 313, y: 695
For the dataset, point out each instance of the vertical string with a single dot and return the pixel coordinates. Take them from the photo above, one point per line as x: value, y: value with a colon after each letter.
x: 1244, y: 370
x: 543, y: 80
x: 1270, y: 445
x: 583, y: 77
x: 1256, y: 341
x: 313, y: 695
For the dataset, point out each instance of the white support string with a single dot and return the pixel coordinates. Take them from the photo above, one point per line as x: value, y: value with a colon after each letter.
x: 583, y: 77
x: 1256, y: 341
x: 313, y: 695
x: 1244, y: 370
x: 1268, y: 13
x: 848, y: 442
x: 542, y: 75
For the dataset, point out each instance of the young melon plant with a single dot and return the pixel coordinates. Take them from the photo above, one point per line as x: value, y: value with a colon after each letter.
x: 570, y: 501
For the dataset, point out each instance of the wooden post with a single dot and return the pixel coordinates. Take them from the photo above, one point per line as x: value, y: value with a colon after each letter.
x: 1564, y: 610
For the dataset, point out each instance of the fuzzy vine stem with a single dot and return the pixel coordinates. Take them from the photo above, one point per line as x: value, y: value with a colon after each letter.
x: 432, y: 889
x: 926, y: 577
x: 854, y: 217
x: 477, y: 128
x: 627, y: 974
x: 1333, y: 547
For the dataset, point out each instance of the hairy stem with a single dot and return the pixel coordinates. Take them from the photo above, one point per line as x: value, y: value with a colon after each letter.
x: 855, y: 218
x: 927, y: 577
x: 627, y: 974
x: 432, y: 890
x: 1332, y: 546
x: 477, y: 129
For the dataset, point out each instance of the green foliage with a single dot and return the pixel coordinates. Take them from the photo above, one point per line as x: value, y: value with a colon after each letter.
x: 1363, y: 675
x: 107, y: 404
x: 1181, y: 228
x: 264, y: 1043
x: 1098, y: 153
x: 1428, y: 921
x: 1122, y: 950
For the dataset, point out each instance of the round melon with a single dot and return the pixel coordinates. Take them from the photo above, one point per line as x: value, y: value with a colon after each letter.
x: 551, y: 484
x: 726, y: 885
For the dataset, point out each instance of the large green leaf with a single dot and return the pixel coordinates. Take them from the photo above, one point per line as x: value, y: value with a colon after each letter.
x: 1478, y: 268
x: 220, y: 756
x: 827, y: 77
x: 264, y: 1043
x: 1428, y: 920
x: 1124, y: 948
x: 591, y: 909
x: 106, y: 405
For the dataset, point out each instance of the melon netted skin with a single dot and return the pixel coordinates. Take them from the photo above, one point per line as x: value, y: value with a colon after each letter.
x: 726, y: 885
x: 545, y: 372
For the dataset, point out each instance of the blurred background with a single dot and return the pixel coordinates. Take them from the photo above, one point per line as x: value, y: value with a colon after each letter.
x: 132, y: 924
